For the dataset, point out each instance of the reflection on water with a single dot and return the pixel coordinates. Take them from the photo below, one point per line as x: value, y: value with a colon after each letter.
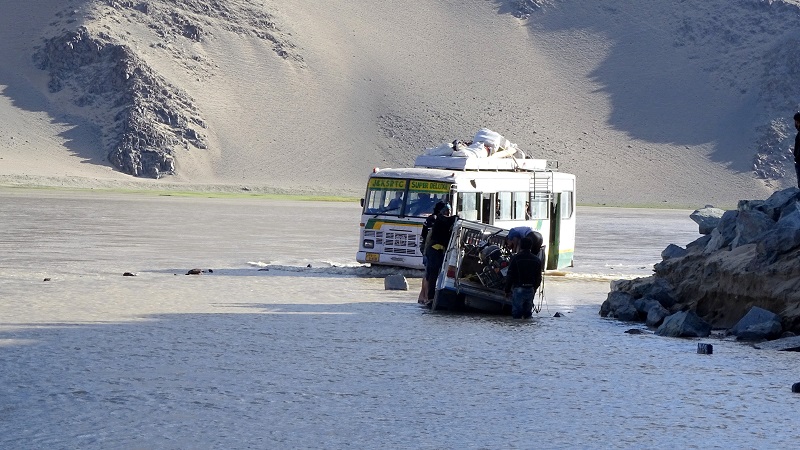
x: 324, y: 357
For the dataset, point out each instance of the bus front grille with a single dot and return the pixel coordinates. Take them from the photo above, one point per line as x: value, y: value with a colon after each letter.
x: 394, y: 243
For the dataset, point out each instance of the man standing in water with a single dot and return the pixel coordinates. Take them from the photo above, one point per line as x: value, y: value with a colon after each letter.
x: 426, y: 227
x: 797, y: 147
x: 438, y: 238
x: 524, y: 278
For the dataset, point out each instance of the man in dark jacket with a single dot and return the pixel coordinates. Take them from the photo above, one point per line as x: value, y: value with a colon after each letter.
x: 524, y: 278
x: 426, y: 227
x: 435, y: 245
x: 797, y: 147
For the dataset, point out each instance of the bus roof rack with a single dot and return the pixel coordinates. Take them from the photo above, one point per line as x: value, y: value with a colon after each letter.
x: 462, y: 163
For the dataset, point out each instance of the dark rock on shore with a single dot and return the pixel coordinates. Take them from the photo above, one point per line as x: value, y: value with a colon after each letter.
x: 684, y: 324
x: 748, y: 264
x: 707, y: 218
x: 757, y: 324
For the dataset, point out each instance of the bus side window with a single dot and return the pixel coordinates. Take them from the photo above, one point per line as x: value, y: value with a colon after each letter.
x: 503, y: 206
x: 519, y: 207
x: 566, y: 204
x: 467, y: 205
x: 539, y: 208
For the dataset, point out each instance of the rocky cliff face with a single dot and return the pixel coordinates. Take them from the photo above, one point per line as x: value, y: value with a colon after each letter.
x: 145, y: 119
x: 751, y: 258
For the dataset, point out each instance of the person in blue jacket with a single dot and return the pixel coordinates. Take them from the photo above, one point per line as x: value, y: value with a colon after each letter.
x: 516, y: 234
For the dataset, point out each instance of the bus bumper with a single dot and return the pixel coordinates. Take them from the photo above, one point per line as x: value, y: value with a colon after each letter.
x: 380, y: 259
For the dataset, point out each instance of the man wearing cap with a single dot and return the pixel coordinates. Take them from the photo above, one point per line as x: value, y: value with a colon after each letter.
x: 435, y: 245
x: 523, y: 279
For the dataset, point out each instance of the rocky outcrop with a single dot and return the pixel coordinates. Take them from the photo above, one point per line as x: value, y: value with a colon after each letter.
x: 750, y: 262
x: 524, y: 8
x: 144, y: 118
x: 147, y: 117
x: 197, y: 20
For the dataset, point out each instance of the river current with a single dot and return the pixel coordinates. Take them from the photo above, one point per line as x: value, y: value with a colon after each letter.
x: 286, y: 342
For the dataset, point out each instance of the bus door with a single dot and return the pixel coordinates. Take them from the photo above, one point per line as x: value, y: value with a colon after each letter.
x: 555, y: 232
x: 488, y: 208
x: 562, y: 231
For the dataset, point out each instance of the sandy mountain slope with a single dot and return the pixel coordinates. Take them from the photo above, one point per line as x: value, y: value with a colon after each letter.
x: 658, y: 103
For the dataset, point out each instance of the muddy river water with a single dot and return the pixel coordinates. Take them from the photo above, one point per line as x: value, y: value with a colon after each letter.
x: 266, y: 352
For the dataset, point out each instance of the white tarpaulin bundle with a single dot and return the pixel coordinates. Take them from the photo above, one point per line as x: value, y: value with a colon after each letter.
x: 485, y: 144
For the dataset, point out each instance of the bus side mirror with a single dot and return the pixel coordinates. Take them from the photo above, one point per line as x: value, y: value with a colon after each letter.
x: 362, y: 202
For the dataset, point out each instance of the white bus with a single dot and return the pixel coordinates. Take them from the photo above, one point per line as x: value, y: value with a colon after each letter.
x: 502, y: 192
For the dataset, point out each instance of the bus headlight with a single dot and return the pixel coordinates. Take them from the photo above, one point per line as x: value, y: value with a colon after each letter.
x: 369, y: 243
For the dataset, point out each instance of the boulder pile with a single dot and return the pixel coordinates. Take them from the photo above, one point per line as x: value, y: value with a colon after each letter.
x: 742, y: 276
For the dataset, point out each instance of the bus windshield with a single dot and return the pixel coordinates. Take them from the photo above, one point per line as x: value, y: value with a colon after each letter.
x: 391, y: 196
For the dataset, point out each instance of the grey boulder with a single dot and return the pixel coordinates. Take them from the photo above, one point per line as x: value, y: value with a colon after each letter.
x: 684, y: 324
x: 395, y: 283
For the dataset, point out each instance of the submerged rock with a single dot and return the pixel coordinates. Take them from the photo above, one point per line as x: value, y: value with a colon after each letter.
x: 395, y: 283
x: 705, y: 349
x: 789, y: 344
